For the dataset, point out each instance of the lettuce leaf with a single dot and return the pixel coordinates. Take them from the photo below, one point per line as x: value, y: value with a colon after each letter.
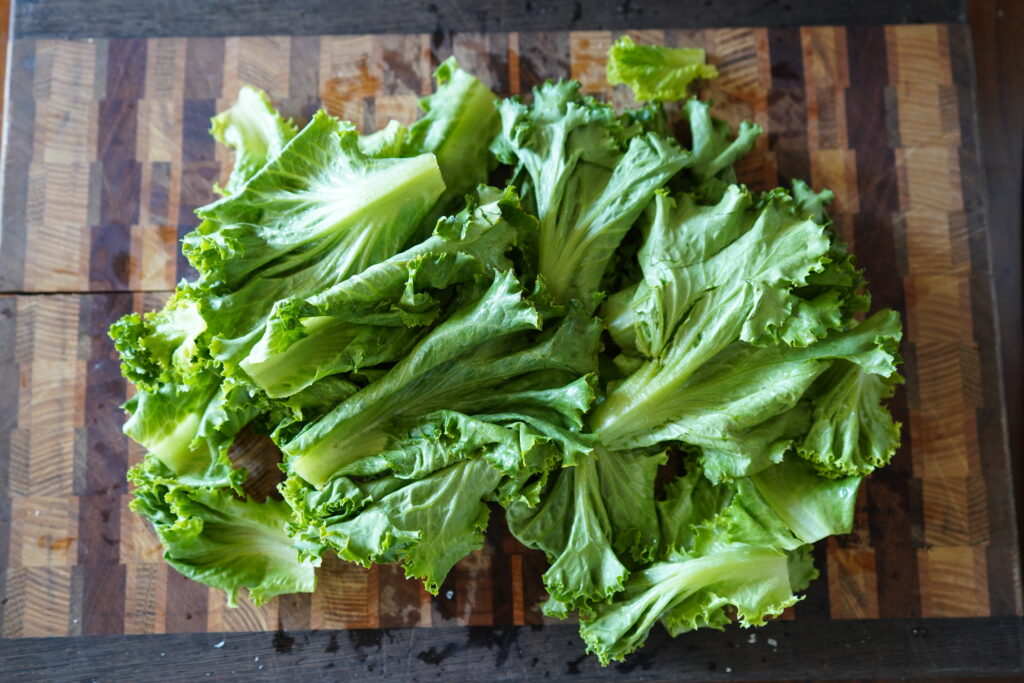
x: 458, y: 125
x: 212, y: 536
x: 586, y: 182
x: 654, y: 72
x: 669, y: 385
x: 477, y: 356
x: 377, y: 315
x: 254, y: 130
x: 318, y: 213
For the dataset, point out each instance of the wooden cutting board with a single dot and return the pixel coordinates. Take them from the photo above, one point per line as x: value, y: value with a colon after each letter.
x: 107, y: 154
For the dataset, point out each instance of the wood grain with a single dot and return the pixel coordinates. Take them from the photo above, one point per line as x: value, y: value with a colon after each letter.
x: 130, y: 18
x: 851, y: 649
x: 996, y: 26
x: 883, y: 115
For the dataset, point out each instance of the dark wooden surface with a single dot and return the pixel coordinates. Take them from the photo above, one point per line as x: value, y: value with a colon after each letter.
x: 807, y: 647
x: 127, y: 18
x: 997, y: 29
x: 852, y: 649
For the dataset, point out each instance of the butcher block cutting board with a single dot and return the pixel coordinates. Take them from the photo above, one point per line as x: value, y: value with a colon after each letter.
x: 107, y: 154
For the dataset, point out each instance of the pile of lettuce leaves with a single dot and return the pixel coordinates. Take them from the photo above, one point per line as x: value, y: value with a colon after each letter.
x: 667, y: 383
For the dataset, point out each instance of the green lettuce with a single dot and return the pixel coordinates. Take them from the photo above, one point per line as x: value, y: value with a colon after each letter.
x: 595, y: 521
x: 458, y: 125
x: 655, y: 72
x: 669, y: 385
x: 377, y: 315
x: 189, y: 428
x: 213, y: 536
x: 254, y: 130
x: 477, y: 356
x: 318, y: 213
x: 586, y: 182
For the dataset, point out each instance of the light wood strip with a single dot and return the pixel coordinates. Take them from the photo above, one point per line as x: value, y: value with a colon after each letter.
x: 145, y: 596
x: 350, y: 72
x: 514, y: 86
x: 954, y: 582
x: 403, y: 108
x: 852, y: 587
x: 923, y: 69
x: 825, y: 82
x: 43, y: 531
x: 587, y: 50
x: 946, y: 510
x: 244, y: 617
x: 139, y: 543
x: 518, y: 604
x: 346, y: 596
x: 740, y: 93
x: 939, y: 310
x: 38, y: 602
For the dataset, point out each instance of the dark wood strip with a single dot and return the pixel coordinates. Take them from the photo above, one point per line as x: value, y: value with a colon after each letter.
x: 110, y: 241
x: 303, y: 79
x: 440, y: 44
x: 790, y: 650
x: 204, y: 84
x: 787, y: 106
x: 868, y: 110
x: 187, y: 604
x: 77, y: 18
x: 401, y: 602
x: 996, y: 26
x: 197, y: 179
x: 204, y: 72
x: 102, y: 606
x: 501, y: 570
x: 126, y: 69
x: 1003, y: 549
x: 542, y: 56
x: 534, y: 594
x: 10, y: 384
x: 120, y: 173
x: 197, y: 145
x: 787, y: 139
x: 443, y: 605
x: 486, y: 57
x: 20, y: 139
x: 159, y: 192
x: 102, y: 484
x: 294, y: 611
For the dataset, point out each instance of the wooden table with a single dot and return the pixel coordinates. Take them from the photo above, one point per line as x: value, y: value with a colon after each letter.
x: 107, y: 154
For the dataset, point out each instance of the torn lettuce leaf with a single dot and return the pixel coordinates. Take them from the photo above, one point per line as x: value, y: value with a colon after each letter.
x: 212, y: 536
x: 477, y: 356
x: 789, y: 505
x: 595, y: 521
x: 851, y: 433
x: 161, y: 346
x: 254, y: 130
x: 585, y: 181
x: 377, y: 315
x: 460, y: 120
x: 734, y: 285
x: 189, y: 428
x: 690, y: 501
x: 747, y: 405
x: 688, y: 592
x: 656, y: 73
x: 315, y: 215
x: 428, y: 524
x: 715, y: 149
